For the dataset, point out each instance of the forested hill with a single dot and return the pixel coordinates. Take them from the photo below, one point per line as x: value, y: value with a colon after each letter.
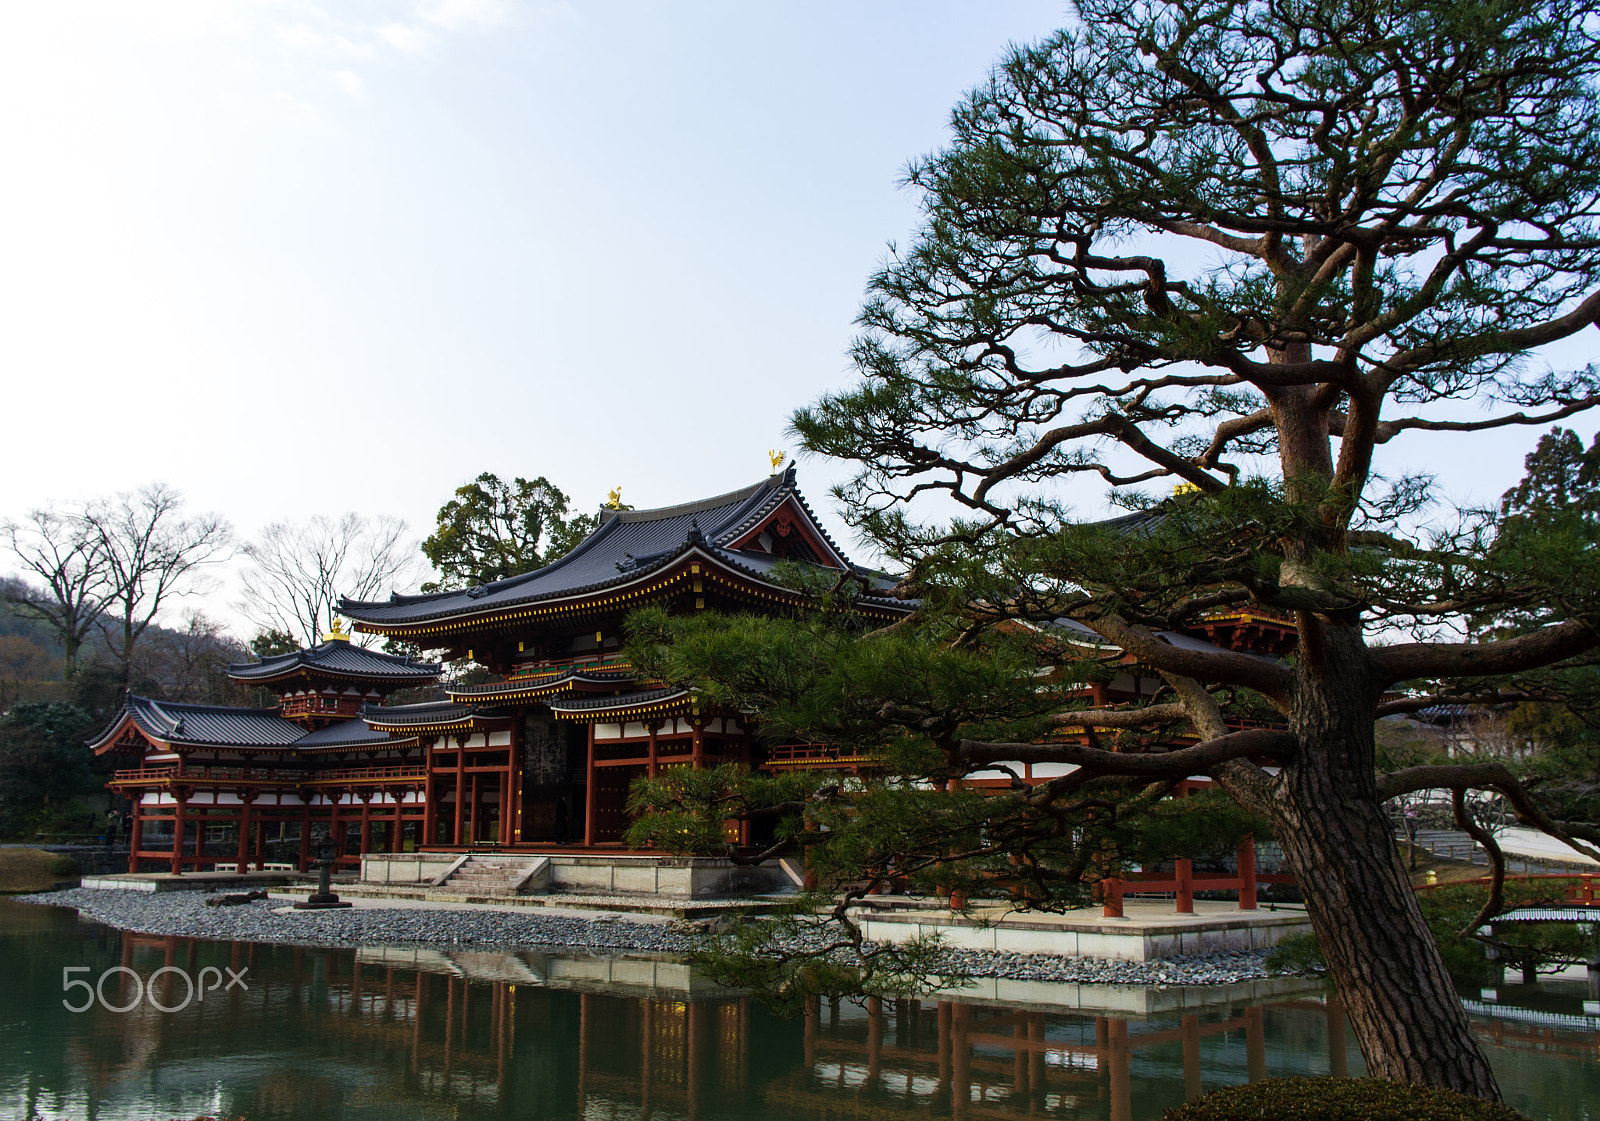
x: 176, y: 663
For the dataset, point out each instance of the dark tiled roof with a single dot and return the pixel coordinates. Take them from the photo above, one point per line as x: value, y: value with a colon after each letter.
x: 337, y: 658
x: 624, y: 700
x: 1139, y: 523
x: 1075, y: 631
x: 347, y: 733
x: 430, y: 714
x: 547, y: 685
x: 628, y: 545
x: 206, y: 725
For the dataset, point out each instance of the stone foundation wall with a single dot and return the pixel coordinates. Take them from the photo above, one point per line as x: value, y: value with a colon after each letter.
x: 405, y: 867
x: 694, y: 878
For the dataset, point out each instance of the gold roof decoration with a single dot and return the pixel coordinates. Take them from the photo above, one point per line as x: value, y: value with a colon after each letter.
x: 614, y: 499
x: 336, y: 633
x: 777, y: 457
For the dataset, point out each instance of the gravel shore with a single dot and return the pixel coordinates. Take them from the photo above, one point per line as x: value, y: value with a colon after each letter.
x: 184, y: 913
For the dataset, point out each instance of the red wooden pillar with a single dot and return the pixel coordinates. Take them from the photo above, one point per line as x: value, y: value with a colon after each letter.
x: 1247, y: 875
x: 261, y: 844
x: 461, y: 788
x: 589, y: 795
x: 430, y: 808
x: 366, y: 823
x: 503, y: 834
x: 179, y: 824
x: 514, y: 773
x: 136, y: 834
x: 697, y: 748
x: 1111, y: 886
x: 243, y: 857
x: 655, y: 751
x: 1191, y: 1057
x: 1121, y: 1081
x: 1255, y: 1044
x: 960, y: 1062
x: 1185, y: 887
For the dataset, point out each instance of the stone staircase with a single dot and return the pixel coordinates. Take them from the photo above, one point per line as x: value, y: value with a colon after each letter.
x: 496, y: 875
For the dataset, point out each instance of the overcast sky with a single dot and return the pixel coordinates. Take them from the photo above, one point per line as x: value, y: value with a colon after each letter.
x: 298, y: 257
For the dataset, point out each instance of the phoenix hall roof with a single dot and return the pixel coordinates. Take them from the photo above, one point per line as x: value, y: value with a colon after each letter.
x: 337, y: 658
x: 627, y: 545
x: 208, y: 725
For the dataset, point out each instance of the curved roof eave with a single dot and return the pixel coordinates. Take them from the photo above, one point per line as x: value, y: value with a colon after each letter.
x: 660, y: 536
x: 610, y: 522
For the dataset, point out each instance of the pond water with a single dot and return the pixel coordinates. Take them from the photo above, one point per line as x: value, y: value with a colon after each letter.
x: 403, y: 1034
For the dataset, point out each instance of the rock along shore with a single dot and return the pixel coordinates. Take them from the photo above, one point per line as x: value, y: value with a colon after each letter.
x: 185, y: 914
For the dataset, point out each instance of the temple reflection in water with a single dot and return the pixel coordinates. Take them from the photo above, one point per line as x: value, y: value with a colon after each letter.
x: 421, y: 1034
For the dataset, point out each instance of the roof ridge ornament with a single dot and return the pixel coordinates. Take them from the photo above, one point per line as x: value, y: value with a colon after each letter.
x: 777, y: 457
x: 695, y: 536
x: 336, y: 633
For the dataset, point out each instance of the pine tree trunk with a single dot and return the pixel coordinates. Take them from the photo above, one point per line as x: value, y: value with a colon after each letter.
x: 1404, y: 1011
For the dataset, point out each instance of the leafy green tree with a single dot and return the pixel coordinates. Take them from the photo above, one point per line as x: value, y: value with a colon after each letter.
x: 1562, y: 477
x: 1557, y: 506
x: 1244, y: 247
x: 492, y: 529
x: 271, y: 642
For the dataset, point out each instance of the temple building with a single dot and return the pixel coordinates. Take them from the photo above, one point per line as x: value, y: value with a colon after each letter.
x: 541, y: 757
x: 545, y: 755
x: 213, y: 788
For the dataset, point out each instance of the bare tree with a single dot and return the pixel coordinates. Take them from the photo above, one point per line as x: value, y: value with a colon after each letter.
x: 60, y: 547
x: 298, y: 571
x: 151, y: 553
x: 190, y: 663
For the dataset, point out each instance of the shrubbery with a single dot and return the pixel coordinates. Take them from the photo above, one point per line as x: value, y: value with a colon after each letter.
x: 1296, y: 953
x: 1338, y: 1099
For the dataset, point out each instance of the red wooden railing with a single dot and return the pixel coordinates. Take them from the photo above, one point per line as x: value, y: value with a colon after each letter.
x: 157, y: 774
x: 814, y: 753
x: 1585, y: 890
x: 259, y: 775
x: 368, y: 774
x: 210, y: 774
x: 1183, y: 882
